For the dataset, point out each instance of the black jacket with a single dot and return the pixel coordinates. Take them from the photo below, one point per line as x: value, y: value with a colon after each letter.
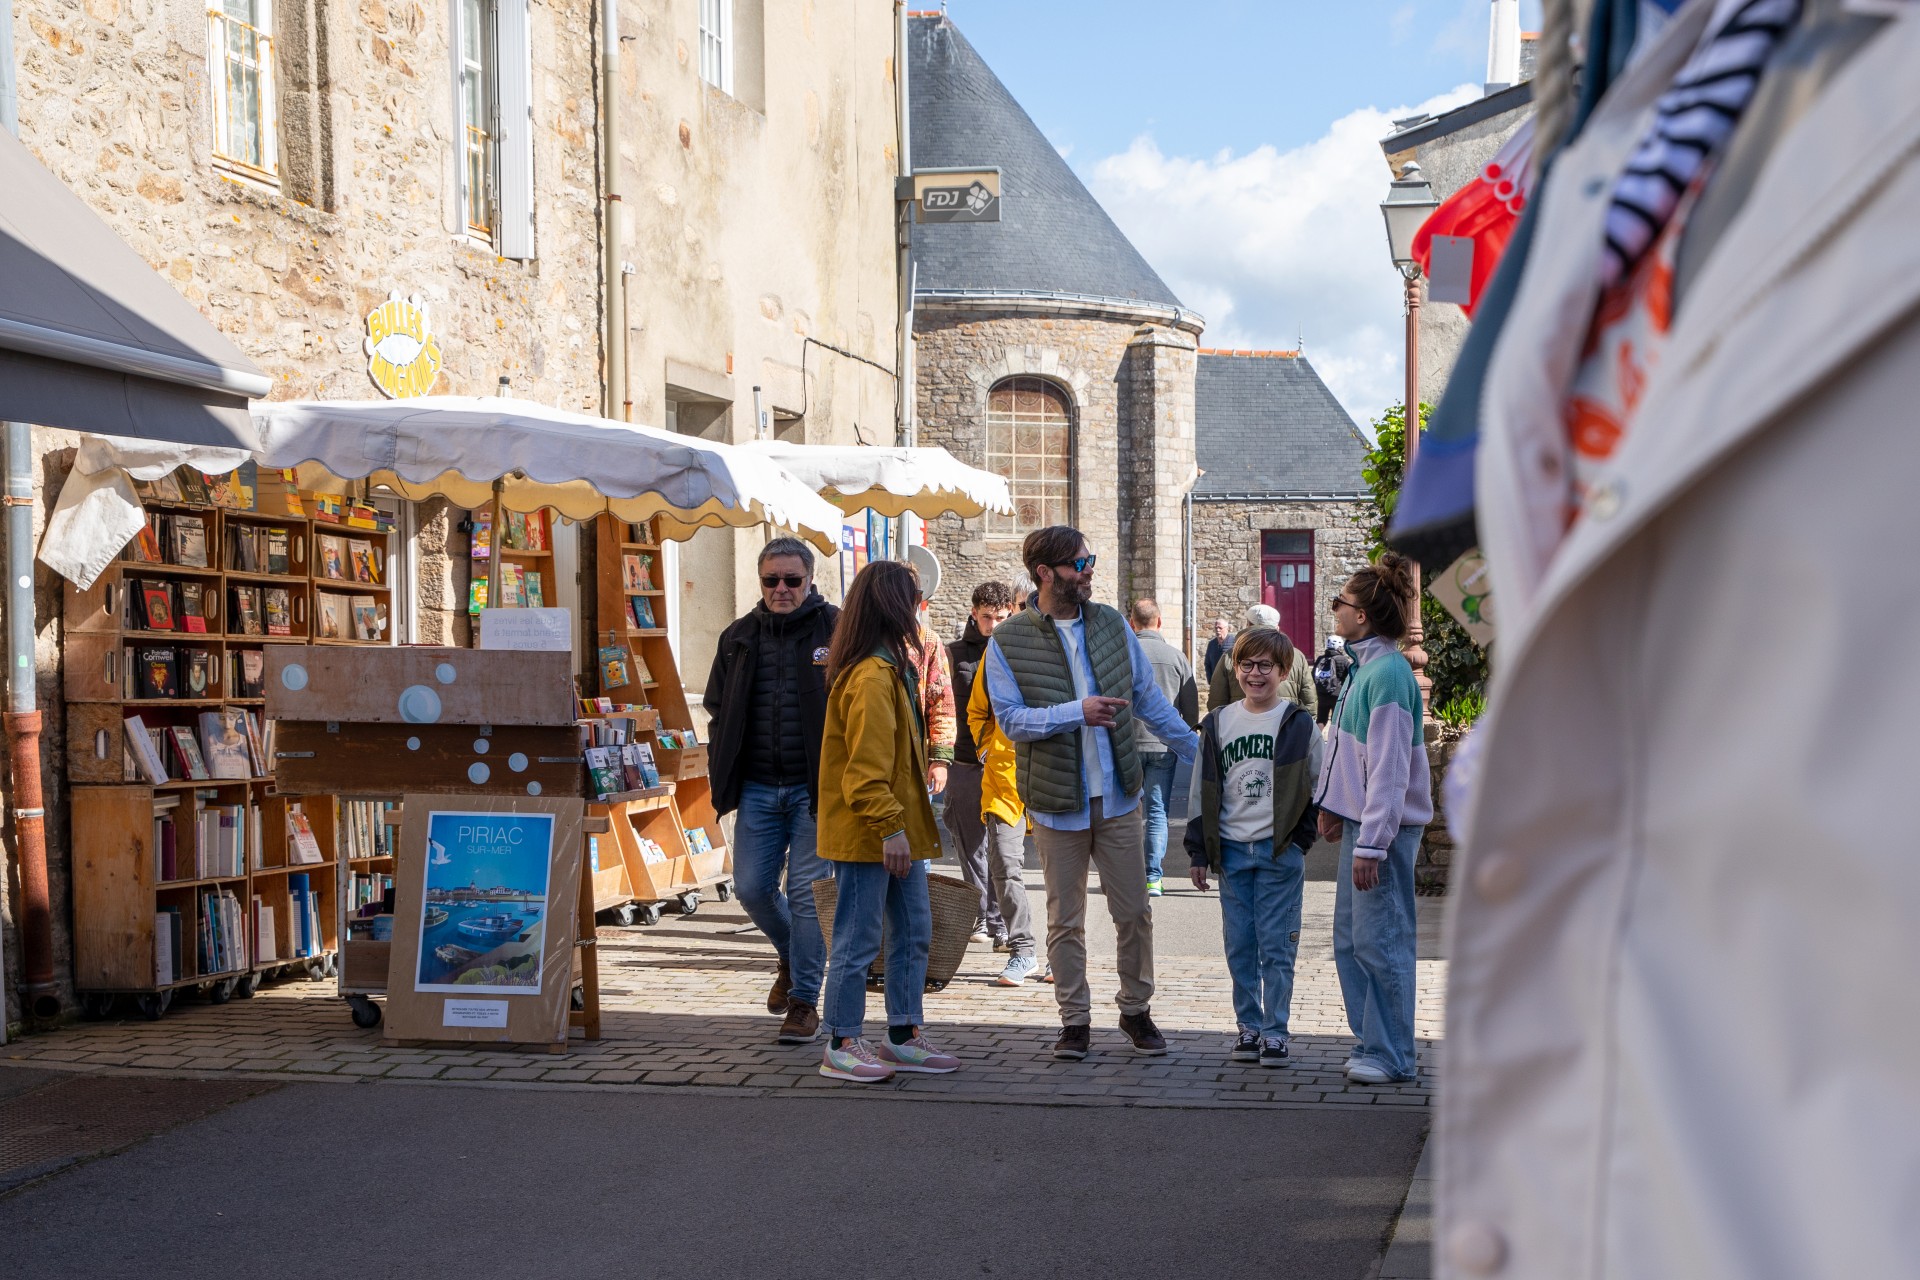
x: 1216, y: 650
x: 767, y: 696
x: 964, y: 655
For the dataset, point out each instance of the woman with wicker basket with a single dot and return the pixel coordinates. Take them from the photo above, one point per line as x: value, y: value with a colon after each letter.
x: 877, y: 828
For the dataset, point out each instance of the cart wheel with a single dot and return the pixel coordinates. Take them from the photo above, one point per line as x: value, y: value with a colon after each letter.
x: 330, y: 967
x: 316, y: 969
x: 247, y: 986
x: 366, y: 1014
x: 627, y: 914
x: 650, y: 914
x: 221, y: 992
x: 724, y: 891
x: 153, y: 1005
x: 578, y: 999
x: 96, y: 1005
x: 689, y: 902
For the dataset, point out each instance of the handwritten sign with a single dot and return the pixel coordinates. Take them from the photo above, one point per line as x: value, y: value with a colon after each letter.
x: 527, y: 630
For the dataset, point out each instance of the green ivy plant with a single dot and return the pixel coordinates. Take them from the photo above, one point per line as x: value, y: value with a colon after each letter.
x: 1456, y: 665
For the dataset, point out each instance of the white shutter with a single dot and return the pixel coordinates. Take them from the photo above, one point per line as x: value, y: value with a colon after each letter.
x: 515, y: 96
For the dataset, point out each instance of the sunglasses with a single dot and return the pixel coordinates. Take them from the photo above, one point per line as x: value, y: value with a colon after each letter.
x: 1342, y: 600
x: 1079, y: 565
x: 793, y: 580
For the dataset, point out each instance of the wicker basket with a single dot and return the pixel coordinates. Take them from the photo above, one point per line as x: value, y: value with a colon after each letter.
x: 956, y: 905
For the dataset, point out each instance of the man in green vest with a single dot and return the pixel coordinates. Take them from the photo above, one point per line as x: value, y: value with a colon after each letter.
x: 1068, y: 679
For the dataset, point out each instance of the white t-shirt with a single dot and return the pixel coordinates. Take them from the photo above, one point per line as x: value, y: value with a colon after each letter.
x: 1073, y: 638
x: 1246, y: 764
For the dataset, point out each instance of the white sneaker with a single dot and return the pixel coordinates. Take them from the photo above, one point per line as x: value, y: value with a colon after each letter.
x: 1018, y: 970
x: 979, y: 933
x: 1361, y: 1072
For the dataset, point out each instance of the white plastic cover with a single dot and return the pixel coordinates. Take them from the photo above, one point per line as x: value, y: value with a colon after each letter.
x: 926, y: 481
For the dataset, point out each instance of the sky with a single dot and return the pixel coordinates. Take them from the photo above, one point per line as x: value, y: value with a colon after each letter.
x: 1237, y: 144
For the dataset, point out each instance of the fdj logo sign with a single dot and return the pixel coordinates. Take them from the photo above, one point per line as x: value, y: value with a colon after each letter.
x: 947, y: 195
x: 403, y: 355
x: 950, y: 200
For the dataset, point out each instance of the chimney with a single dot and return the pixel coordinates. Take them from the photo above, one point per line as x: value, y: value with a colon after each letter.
x: 1503, y: 46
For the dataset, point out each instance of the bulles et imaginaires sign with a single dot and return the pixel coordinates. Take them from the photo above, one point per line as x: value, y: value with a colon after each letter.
x: 403, y: 354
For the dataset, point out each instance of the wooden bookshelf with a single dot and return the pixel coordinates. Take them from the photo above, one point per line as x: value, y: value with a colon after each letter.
x: 530, y: 565
x: 118, y: 891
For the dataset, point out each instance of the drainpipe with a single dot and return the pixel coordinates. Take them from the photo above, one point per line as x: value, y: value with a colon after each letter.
x: 903, y: 205
x: 613, y: 284
x: 39, y: 994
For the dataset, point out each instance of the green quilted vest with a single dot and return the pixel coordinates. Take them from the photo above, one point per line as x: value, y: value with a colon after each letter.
x: 1050, y: 775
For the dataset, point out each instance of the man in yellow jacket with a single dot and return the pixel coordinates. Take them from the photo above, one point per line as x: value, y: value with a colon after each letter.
x: 1006, y: 830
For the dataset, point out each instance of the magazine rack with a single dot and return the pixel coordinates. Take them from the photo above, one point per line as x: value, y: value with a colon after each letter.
x: 446, y: 722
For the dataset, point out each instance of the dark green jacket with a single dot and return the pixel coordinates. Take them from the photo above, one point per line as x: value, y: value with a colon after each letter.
x: 1294, y: 816
x: 1050, y: 775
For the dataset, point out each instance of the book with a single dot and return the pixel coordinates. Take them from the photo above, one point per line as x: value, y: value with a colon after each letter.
x: 148, y: 765
x: 604, y: 771
x: 477, y: 595
x: 539, y: 532
x: 167, y: 489
x: 636, y: 571
x: 277, y: 607
x: 189, y: 542
x: 516, y: 531
x: 364, y: 561
x: 333, y: 555
x: 163, y: 946
x: 145, y: 546
x: 156, y: 606
x: 256, y: 747
x: 366, y: 618
x: 613, y: 667
x: 481, y: 543
x: 697, y: 840
x: 157, y: 673
x: 302, y: 846
x: 246, y: 611
x: 534, y: 589
x: 248, y: 678
x: 279, y: 546
x: 327, y: 616
x: 186, y: 753
x: 263, y: 939
x: 192, y: 613
x: 512, y: 587
x: 223, y: 739
x: 193, y: 486
x: 196, y: 673
x: 640, y: 610
x: 329, y: 507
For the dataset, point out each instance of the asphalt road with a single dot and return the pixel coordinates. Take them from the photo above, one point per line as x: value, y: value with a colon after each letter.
x: 474, y: 1183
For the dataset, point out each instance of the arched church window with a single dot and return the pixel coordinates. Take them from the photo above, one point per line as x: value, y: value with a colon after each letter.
x: 1030, y: 441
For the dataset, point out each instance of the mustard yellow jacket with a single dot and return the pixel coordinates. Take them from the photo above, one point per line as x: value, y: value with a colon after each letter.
x: 873, y: 767
x: 999, y: 771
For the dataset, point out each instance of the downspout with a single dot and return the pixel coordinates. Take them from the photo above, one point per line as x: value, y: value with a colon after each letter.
x: 903, y: 205
x: 40, y: 997
x: 616, y: 402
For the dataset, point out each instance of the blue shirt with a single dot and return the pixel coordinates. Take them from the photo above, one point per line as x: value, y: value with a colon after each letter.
x: 1022, y: 723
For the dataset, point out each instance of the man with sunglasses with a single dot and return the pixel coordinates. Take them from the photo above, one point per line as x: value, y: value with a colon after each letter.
x: 767, y: 694
x: 1069, y: 680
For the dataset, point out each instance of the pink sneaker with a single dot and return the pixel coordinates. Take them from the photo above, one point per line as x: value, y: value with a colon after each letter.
x: 855, y: 1061
x: 916, y: 1055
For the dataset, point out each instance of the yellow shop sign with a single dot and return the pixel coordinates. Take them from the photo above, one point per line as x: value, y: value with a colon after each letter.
x: 403, y: 355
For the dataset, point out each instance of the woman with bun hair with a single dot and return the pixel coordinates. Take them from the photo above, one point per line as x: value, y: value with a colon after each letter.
x: 1375, y: 799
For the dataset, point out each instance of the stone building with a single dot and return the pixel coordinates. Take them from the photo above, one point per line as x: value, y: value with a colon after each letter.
x: 1281, y: 508
x: 1046, y: 348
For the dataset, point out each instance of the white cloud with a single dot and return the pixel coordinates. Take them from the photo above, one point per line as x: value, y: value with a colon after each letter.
x: 1269, y: 244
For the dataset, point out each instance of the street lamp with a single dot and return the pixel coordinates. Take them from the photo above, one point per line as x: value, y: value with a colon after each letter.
x: 1410, y: 201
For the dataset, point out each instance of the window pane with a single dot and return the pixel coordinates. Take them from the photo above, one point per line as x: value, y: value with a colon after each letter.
x: 1029, y: 442
x: 1292, y: 542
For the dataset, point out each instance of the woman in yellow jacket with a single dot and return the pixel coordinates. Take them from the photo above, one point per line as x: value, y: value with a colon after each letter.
x: 876, y: 827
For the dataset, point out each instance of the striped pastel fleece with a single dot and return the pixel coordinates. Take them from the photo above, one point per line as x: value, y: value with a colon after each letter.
x: 1375, y: 771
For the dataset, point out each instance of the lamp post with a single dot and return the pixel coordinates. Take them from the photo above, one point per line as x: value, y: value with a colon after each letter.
x: 1409, y: 202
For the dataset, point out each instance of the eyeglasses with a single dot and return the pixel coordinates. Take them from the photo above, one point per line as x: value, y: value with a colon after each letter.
x: 1079, y: 564
x: 1254, y: 668
x: 793, y: 580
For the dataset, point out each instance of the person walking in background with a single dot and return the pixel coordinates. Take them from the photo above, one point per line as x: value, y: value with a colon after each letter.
x: 992, y: 603
x: 1329, y: 673
x: 1068, y: 680
x: 1375, y: 798
x: 877, y: 828
x: 1174, y: 676
x: 1217, y: 646
x: 1005, y: 821
x: 1296, y: 684
x: 767, y: 696
x: 1259, y: 761
x: 936, y: 697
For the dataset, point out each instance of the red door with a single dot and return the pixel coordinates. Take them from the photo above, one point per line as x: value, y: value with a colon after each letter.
x: 1286, y: 582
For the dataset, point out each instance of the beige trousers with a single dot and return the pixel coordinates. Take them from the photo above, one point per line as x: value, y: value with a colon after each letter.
x: 1112, y: 846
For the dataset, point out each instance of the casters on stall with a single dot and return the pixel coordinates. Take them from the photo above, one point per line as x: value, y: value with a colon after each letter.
x: 96, y: 1005
x: 627, y: 914
x: 247, y: 986
x: 153, y: 1005
x: 724, y: 891
x: 650, y: 914
x: 316, y: 969
x: 578, y: 1000
x: 689, y: 902
x: 366, y: 1014
x: 221, y: 992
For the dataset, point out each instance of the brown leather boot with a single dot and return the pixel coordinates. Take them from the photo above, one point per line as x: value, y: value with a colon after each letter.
x: 802, y: 1025
x: 782, y: 983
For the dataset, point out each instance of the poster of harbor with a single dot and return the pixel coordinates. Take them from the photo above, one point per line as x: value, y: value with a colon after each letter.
x: 483, y: 913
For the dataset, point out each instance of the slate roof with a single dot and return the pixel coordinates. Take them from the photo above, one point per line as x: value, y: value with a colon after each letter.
x: 1053, y: 236
x: 1266, y: 426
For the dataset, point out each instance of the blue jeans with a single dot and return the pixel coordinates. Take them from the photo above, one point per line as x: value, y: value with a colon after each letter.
x: 868, y: 899
x: 1260, y: 893
x: 1373, y: 952
x: 773, y: 835
x: 1157, y: 767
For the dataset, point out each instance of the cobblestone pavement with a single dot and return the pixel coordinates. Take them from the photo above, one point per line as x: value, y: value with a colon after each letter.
x: 683, y: 1006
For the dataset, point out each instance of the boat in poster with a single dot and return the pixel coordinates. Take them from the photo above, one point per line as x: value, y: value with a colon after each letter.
x: 483, y: 913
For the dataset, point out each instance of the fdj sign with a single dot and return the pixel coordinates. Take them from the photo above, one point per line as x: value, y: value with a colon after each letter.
x: 956, y: 195
x: 403, y: 355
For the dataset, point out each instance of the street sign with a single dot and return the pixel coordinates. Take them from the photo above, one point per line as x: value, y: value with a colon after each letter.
x: 956, y: 195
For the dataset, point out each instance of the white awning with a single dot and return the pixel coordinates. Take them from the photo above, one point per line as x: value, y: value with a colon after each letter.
x: 926, y: 481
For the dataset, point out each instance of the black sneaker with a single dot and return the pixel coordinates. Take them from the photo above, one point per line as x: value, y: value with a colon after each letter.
x: 1139, y: 1028
x: 1247, y: 1047
x: 1073, y: 1043
x: 1273, y: 1052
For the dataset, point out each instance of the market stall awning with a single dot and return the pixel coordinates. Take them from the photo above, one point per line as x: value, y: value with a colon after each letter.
x: 926, y: 481
x: 456, y: 447
x: 92, y: 338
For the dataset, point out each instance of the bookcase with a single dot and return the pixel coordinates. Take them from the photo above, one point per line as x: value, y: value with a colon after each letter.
x: 526, y: 561
x: 189, y: 871
x: 659, y: 831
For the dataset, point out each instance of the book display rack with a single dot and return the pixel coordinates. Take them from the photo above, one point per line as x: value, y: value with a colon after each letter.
x: 189, y: 870
x: 669, y: 840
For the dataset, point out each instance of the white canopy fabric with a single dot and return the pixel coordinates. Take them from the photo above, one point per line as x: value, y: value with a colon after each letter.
x: 457, y: 446
x: 892, y: 481
x: 98, y: 512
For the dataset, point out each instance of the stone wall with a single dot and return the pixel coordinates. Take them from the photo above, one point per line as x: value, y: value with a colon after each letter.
x: 1435, y: 864
x: 1226, y: 542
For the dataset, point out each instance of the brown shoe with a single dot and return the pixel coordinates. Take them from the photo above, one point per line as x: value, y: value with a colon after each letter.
x: 1139, y: 1028
x: 1073, y: 1043
x: 782, y: 983
x: 802, y: 1025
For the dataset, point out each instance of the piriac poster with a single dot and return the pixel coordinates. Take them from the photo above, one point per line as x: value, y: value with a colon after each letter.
x: 483, y: 915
